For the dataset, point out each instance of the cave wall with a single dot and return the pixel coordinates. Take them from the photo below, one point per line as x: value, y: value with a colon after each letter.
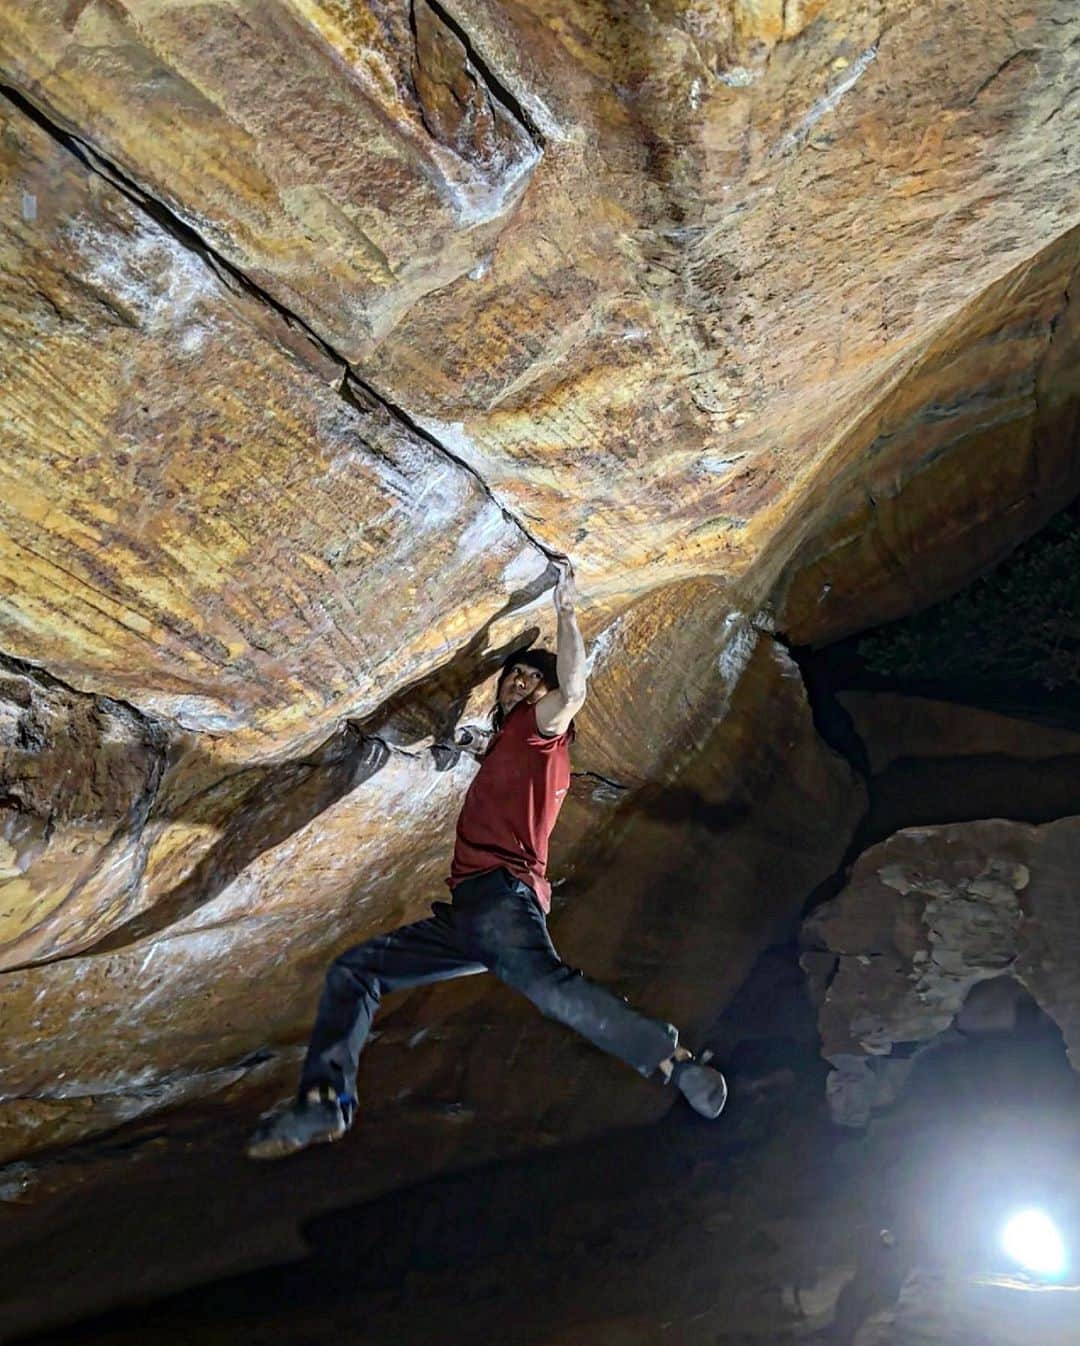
x: 328, y: 331
x: 974, y: 450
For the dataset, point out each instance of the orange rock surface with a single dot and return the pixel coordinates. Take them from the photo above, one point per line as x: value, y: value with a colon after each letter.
x: 326, y: 327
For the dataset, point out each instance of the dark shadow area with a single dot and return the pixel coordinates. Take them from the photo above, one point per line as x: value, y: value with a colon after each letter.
x: 841, y: 667
x: 480, y: 1228
x: 914, y: 792
x: 923, y: 791
x: 264, y: 805
x: 675, y: 804
x: 518, y: 1251
x: 451, y: 1227
x: 1007, y: 643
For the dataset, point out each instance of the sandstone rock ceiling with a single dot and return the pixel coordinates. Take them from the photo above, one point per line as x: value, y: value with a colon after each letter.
x: 327, y: 325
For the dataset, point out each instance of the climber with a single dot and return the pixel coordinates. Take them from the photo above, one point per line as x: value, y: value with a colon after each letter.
x: 496, y: 920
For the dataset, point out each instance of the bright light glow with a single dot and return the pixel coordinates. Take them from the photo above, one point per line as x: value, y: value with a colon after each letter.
x: 1032, y: 1239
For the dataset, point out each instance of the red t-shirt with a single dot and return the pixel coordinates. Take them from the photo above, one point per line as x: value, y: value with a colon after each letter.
x: 512, y: 805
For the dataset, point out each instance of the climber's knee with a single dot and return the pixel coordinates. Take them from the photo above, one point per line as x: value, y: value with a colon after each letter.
x: 347, y: 979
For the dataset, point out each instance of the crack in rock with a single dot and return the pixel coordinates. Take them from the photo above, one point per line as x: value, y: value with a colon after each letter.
x: 495, y: 87
x: 605, y: 790
x: 234, y: 279
x: 11, y: 663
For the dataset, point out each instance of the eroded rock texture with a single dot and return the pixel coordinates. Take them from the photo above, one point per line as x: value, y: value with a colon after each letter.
x: 226, y: 962
x: 928, y: 916
x: 329, y: 325
x: 78, y: 778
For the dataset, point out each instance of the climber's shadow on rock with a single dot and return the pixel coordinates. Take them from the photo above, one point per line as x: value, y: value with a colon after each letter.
x: 257, y: 808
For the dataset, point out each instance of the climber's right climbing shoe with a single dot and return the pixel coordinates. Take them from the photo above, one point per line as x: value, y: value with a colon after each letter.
x: 703, y: 1087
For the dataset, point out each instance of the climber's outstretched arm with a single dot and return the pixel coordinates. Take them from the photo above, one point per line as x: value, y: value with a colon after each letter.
x: 555, y: 710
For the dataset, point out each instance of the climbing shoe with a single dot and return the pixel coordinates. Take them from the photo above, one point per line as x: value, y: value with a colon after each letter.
x: 703, y: 1087
x: 314, y: 1119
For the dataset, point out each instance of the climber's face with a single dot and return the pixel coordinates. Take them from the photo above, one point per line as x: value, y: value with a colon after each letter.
x: 520, y: 683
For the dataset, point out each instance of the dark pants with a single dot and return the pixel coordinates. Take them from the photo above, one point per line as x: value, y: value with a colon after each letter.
x: 494, y: 925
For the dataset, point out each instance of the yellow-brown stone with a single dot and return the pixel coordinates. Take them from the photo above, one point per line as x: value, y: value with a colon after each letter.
x: 991, y: 415
x: 193, y: 520
x: 198, y: 984
x: 654, y: 336
x: 326, y: 325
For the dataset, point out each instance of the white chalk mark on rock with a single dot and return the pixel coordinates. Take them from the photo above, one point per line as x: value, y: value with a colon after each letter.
x: 827, y: 103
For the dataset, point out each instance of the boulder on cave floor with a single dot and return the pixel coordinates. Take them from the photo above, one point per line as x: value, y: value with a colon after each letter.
x: 927, y: 916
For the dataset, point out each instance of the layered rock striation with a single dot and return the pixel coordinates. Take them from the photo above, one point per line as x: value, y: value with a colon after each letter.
x: 328, y: 327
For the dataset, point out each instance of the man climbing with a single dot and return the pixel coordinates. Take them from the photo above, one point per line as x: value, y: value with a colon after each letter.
x: 497, y: 918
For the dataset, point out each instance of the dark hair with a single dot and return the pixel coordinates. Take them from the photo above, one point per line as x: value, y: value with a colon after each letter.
x: 544, y: 663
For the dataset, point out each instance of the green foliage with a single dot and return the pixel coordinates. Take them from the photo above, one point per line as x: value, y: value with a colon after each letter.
x: 1019, y: 623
